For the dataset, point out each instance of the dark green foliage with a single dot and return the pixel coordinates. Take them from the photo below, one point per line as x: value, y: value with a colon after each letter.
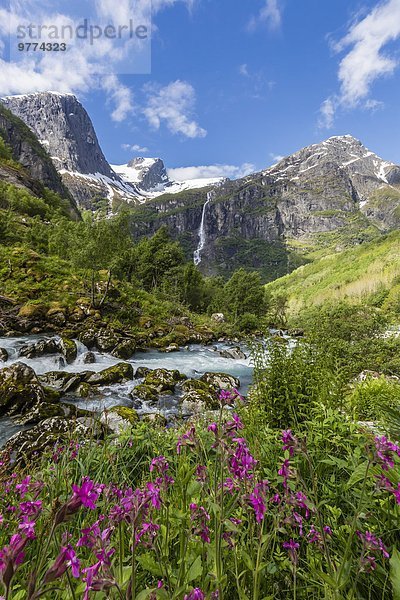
x: 291, y: 382
x: 243, y: 293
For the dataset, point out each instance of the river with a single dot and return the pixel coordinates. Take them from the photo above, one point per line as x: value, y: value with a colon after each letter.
x: 193, y: 361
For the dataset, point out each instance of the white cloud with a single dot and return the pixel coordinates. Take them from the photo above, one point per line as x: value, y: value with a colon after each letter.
x: 270, y: 14
x: 121, y: 96
x: 327, y: 113
x: 244, y: 70
x: 85, y: 66
x: 135, y: 148
x: 366, y: 60
x: 276, y: 157
x: 210, y: 172
x: 173, y: 105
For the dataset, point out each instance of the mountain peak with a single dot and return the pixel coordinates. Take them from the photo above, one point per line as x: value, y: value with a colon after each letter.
x: 64, y: 128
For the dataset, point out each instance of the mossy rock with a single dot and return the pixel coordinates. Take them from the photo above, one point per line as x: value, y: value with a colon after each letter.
x: 197, y: 385
x: 198, y: 401
x: 155, y: 420
x: 84, y: 390
x: 64, y: 382
x: 69, y: 349
x: 20, y: 389
x: 57, y: 314
x: 51, y: 395
x: 107, y: 340
x: 146, y: 392
x: 142, y: 372
x: 114, y: 374
x: 3, y: 355
x: 125, y: 349
x: 24, y: 445
x: 40, y: 348
x: 32, y: 311
x: 163, y: 380
x: 119, y: 418
x: 221, y: 381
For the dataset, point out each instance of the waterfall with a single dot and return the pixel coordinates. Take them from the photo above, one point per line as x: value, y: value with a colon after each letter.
x: 202, y: 231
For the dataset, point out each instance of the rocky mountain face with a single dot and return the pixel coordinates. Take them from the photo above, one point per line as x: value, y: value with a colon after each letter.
x: 334, y: 192
x: 65, y: 130
x: 37, y: 167
x: 63, y: 126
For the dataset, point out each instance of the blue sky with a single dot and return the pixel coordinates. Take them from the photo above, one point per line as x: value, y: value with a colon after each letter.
x: 239, y: 83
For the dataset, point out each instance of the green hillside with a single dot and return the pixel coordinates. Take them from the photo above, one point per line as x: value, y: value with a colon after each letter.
x: 371, y: 270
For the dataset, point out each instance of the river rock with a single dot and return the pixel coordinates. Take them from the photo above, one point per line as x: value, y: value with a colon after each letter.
x: 68, y: 349
x: 119, y: 418
x: 107, y: 340
x: 20, y: 389
x: 125, y: 349
x: 40, y: 348
x: 234, y: 353
x: 163, y: 380
x: 89, y: 358
x: 145, y: 392
x: 221, y: 381
x: 170, y: 348
x: 25, y: 444
x: 3, y: 355
x: 114, y: 374
x: 198, y: 401
x: 64, y: 382
x: 141, y: 372
x: 155, y: 420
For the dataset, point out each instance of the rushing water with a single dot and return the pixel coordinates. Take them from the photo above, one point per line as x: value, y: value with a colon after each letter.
x: 202, y: 231
x: 193, y: 362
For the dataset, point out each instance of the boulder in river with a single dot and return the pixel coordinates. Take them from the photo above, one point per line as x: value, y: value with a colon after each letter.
x: 20, y: 389
x: 234, y: 353
x: 107, y: 340
x: 89, y: 358
x: 63, y: 381
x: 3, y: 355
x: 163, y: 380
x: 115, y: 374
x: 141, y: 372
x: 145, y: 392
x: 40, y: 348
x: 198, y: 401
x: 221, y: 381
x: 125, y: 349
x: 68, y: 349
x: 170, y: 348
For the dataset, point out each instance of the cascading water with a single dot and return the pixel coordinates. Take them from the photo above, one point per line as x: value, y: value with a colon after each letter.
x: 202, y: 231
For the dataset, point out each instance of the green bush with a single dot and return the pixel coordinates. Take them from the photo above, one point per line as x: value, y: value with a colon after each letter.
x: 370, y: 399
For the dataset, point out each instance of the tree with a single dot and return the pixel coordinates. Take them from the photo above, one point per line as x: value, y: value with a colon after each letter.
x: 243, y: 293
x: 92, y: 246
x: 156, y: 258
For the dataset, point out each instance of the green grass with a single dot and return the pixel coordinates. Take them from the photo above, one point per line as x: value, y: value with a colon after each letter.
x: 353, y: 274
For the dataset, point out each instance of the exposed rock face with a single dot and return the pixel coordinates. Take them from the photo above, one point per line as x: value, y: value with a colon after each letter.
x: 63, y: 126
x: 65, y: 130
x: 38, y: 167
x: 151, y: 172
x: 317, y: 190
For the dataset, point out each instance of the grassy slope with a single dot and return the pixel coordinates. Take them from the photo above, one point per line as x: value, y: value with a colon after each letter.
x: 352, y: 274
